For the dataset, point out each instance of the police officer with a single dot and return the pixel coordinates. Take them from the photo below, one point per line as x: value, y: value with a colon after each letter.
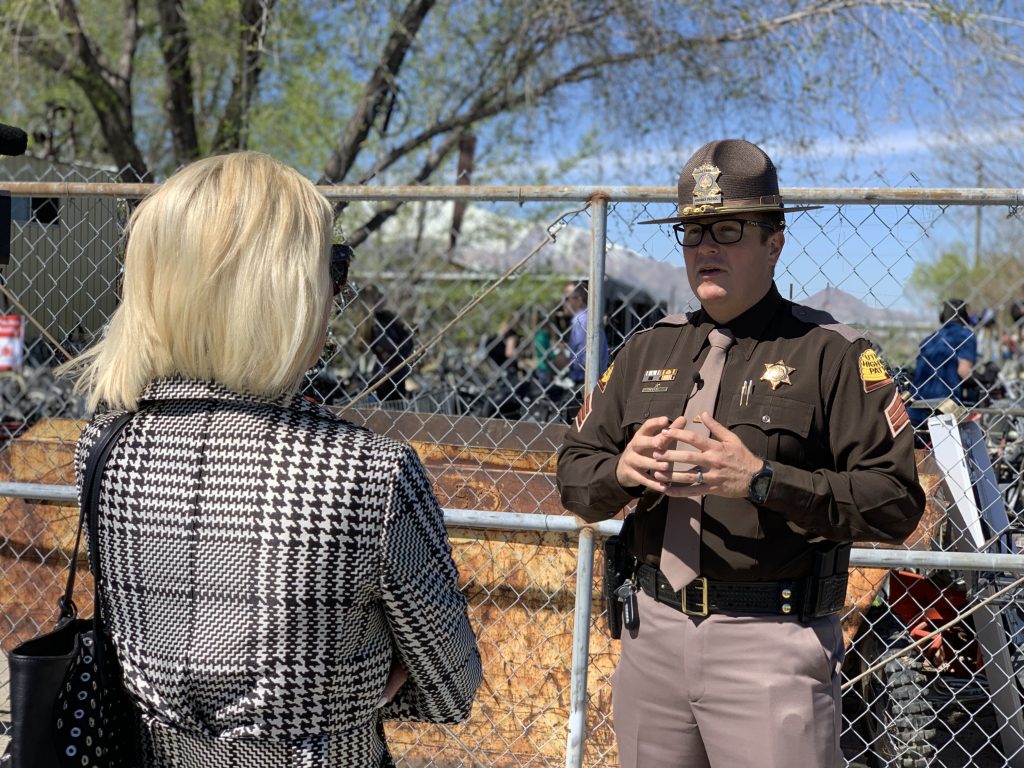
x: 733, y: 657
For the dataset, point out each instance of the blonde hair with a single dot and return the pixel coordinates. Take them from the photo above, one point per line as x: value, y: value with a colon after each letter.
x: 226, y: 279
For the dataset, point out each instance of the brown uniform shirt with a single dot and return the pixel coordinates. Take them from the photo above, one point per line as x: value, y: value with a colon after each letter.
x: 833, y: 426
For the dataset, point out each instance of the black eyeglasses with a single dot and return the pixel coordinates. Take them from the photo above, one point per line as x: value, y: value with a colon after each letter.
x: 341, y: 258
x: 723, y: 231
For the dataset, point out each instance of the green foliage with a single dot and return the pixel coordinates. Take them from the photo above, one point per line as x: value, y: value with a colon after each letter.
x: 992, y: 282
x: 948, y: 275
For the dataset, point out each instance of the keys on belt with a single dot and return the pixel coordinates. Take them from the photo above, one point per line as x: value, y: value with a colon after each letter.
x: 630, y: 611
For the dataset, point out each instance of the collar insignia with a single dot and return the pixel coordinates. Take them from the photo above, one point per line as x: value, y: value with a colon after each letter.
x: 777, y: 373
x: 668, y: 374
x: 705, y: 188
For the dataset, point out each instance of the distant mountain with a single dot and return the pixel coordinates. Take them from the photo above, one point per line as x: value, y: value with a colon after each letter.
x: 848, y: 309
x: 491, y: 243
x: 570, y: 254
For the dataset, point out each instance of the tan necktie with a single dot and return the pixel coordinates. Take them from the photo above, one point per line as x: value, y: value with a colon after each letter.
x: 680, y: 553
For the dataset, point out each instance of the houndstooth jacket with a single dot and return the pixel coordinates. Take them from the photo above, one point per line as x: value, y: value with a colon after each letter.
x: 263, y: 562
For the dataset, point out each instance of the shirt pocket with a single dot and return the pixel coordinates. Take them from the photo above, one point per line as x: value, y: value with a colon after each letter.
x: 774, y: 427
x: 640, y: 409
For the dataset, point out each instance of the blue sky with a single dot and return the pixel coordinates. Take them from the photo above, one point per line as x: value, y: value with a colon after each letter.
x: 869, y: 254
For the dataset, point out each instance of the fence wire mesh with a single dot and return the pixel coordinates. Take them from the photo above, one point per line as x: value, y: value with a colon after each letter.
x: 486, y: 407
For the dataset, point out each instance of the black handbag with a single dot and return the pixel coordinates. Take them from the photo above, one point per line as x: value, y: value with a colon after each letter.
x: 69, y: 706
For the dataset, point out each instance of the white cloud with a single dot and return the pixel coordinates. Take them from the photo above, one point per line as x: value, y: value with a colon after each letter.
x: 898, y: 151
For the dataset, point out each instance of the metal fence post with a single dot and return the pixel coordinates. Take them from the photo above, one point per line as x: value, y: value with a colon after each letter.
x: 585, y: 563
x: 580, y: 651
x: 595, y: 301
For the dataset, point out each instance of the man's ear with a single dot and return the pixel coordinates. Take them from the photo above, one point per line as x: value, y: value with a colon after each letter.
x: 775, y: 244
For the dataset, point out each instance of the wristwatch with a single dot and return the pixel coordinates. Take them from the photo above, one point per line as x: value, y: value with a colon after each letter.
x: 760, y: 482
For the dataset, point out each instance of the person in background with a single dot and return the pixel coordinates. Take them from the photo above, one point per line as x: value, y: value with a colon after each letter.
x: 543, y: 352
x: 504, y: 348
x: 277, y: 581
x: 1015, y: 333
x: 945, y: 360
x: 1017, y: 316
x: 507, y: 392
x: 576, y: 300
x: 758, y: 439
x: 390, y: 340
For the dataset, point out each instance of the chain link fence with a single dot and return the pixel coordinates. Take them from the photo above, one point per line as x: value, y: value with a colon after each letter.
x: 459, y: 341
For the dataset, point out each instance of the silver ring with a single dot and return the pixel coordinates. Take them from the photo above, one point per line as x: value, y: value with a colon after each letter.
x: 700, y: 477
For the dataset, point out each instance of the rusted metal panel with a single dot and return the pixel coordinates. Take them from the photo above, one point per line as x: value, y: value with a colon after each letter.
x: 37, y: 538
x: 493, y: 465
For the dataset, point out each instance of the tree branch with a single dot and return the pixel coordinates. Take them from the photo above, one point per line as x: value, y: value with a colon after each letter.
x: 129, y: 39
x: 176, y: 47
x: 86, y: 51
x: 232, y: 131
x: 107, y: 92
x: 376, y: 90
x: 382, y: 214
x: 500, y: 98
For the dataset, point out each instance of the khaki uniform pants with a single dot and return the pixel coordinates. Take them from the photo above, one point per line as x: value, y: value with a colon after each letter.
x: 727, y: 691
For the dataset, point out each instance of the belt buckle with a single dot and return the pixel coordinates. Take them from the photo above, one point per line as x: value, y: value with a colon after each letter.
x: 702, y: 611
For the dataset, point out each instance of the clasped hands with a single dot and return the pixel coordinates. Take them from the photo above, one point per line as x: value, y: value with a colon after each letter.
x: 717, y: 465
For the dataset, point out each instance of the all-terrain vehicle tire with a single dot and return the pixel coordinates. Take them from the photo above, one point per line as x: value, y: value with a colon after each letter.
x: 898, y: 723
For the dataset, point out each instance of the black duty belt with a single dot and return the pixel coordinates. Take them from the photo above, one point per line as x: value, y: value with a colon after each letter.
x: 808, y: 597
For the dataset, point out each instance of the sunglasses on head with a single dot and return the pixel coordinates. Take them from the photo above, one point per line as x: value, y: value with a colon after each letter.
x: 341, y: 258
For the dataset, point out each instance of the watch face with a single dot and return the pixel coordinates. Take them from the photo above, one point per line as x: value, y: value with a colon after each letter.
x: 760, y: 483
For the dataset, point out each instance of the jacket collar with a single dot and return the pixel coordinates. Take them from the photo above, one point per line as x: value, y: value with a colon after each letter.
x: 756, y: 324
x: 181, y: 388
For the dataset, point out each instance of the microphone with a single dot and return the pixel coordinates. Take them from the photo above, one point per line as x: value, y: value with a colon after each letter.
x: 13, y: 141
x: 697, y: 380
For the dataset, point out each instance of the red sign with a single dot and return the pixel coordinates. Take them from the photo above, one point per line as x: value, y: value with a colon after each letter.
x: 12, y: 342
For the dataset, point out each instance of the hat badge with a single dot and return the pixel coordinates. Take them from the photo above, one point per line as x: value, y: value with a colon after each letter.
x: 705, y: 188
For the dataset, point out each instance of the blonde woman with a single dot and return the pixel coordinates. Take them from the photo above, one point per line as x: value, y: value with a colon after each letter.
x: 277, y: 581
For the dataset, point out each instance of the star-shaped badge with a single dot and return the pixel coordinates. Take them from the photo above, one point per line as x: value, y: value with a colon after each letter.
x: 777, y: 373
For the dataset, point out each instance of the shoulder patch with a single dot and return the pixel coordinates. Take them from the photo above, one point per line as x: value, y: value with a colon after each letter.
x: 896, y: 415
x: 605, y: 377
x: 824, y: 320
x: 873, y: 373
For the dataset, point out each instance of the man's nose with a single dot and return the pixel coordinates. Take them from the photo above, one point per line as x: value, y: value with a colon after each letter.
x: 707, y: 243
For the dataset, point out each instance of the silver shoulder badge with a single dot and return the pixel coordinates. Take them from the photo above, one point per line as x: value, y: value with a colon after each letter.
x: 705, y: 188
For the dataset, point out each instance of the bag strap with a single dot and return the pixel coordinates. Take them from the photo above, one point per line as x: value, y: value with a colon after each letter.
x: 94, y: 465
x: 91, y: 506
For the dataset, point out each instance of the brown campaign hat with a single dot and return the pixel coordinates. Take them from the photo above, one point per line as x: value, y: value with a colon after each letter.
x: 728, y: 176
